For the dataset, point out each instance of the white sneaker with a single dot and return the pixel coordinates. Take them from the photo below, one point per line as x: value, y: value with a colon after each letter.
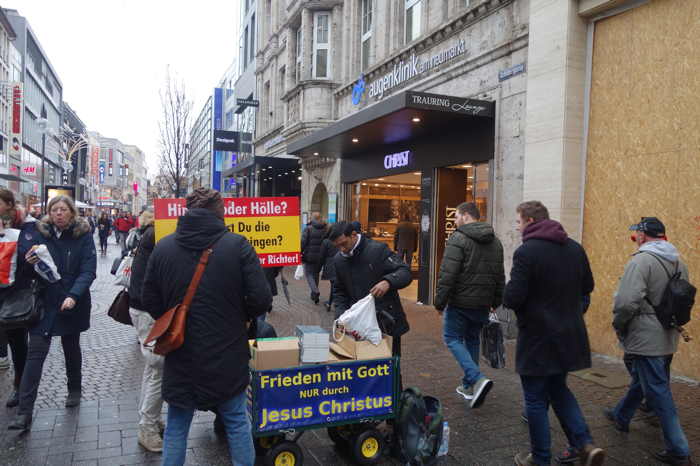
x: 467, y: 393
x: 151, y: 441
x: 4, y: 363
x: 481, y: 389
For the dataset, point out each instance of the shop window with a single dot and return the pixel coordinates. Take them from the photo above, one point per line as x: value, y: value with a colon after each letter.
x: 252, y: 38
x: 245, y: 48
x: 366, y: 32
x: 322, y: 34
x: 412, y: 19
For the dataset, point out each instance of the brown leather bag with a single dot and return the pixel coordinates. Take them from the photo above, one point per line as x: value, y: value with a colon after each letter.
x: 119, y: 310
x: 169, y: 330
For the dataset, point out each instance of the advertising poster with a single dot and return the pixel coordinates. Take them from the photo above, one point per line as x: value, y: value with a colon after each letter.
x: 57, y: 190
x: 322, y: 394
x: 271, y: 225
x: 15, y: 115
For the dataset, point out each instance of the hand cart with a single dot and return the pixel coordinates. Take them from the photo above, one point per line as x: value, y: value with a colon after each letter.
x: 285, y: 403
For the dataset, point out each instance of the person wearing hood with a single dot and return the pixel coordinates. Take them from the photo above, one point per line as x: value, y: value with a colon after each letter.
x: 649, y: 346
x: 311, y: 241
x: 14, y: 216
x: 470, y: 285
x: 549, y: 279
x: 210, y: 370
x: 67, y: 302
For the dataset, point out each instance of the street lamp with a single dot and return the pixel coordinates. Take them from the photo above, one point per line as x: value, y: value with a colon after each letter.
x: 43, y: 127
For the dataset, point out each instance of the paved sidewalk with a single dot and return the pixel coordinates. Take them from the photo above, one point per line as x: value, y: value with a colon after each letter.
x: 102, y: 431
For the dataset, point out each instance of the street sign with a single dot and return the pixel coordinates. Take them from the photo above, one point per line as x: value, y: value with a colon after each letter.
x: 248, y: 102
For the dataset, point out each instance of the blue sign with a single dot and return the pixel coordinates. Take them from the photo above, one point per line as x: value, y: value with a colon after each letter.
x: 217, y: 156
x: 510, y: 72
x: 322, y: 394
x: 102, y: 172
x: 358, y: 90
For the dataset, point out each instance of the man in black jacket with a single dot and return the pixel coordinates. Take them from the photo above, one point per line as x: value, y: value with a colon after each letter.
x: 210, y: 370
x: 365, y: 266
x: 406, y: 240
x: 311, y: 241
x: 470, y: 286
x: 548, y: 281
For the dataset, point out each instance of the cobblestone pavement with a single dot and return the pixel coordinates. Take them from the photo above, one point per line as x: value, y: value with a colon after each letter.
x: 102, y: 431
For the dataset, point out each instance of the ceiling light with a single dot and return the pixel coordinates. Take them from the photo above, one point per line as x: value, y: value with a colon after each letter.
x: 315, y: 153
x: 416, y: 120
x: 470, y: 177
x: 466, y: 166
x: 269, y: 167
x: 381, y: 179
x: 364, y: 184
x: 355, y: 140
x: 389, y: 185
x: 416, y: 173
x: 376, y: 184
x: 299, y: 178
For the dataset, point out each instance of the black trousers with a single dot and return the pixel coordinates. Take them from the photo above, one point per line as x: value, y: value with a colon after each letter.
x: 17, y: 339
x: 103, y: 241
x: 38, y: 350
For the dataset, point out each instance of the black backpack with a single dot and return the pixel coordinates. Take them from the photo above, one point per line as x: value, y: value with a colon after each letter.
x: 677, y: 301
x: 418, y: 428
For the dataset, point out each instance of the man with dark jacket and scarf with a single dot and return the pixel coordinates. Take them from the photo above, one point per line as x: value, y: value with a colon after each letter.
x: 210, y: 370
x: 548, y: 281
x: 311, y: 240
x: 364, y: 266
x: 470, y: 286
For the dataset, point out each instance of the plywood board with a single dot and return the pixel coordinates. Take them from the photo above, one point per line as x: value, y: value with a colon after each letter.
x: 643, y: 151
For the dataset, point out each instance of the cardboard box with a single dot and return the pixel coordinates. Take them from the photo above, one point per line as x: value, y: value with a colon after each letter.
x: 353, y: 349
x: 274, y: 353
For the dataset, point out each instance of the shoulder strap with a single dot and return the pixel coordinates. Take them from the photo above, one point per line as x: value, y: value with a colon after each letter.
x: 662, y: 264
x: 199, y: 271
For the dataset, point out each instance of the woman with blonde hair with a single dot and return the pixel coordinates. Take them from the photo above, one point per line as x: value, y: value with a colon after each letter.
x: 151, y: 399
x: 66, y: 302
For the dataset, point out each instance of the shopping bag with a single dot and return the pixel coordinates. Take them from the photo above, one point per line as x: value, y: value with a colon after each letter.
x: 46, y: 267
x: 124, y: 271
x: 492, y: 348
x: 8, y: 256
x: 132, y: 241
x: 299, y: 272
x: 360, y: 321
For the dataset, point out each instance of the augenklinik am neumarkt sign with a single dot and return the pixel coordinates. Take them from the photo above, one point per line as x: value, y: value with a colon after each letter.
x: 405, y: 71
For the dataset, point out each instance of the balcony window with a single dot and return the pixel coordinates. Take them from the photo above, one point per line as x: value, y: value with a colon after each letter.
x: 412, y: 20
x: 366, y: 32
x: 322, y: 34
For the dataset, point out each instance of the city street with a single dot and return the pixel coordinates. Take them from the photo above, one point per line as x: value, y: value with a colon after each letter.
x: 102, y: 431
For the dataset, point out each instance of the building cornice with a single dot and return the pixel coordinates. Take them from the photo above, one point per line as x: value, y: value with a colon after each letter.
x: 309, y: 83
x: 441, y: 34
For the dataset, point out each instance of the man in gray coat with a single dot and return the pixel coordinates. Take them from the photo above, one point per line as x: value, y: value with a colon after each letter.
x: 649, y: 345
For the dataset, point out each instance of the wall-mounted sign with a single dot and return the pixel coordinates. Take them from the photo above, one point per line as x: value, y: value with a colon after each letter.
x: 447, y: 103
x: 332, y: 207
x: 248, y: 102
x: 15, y: 116
x: 407, y: 70
x: 226, y: 141
x: 510, y: 72
x: 102, y: 172
x: 397, y: 160
x: 29, y: 170
x: 273, y: 142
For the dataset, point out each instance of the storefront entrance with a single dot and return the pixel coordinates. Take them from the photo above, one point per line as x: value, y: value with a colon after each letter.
x: 380, y: 205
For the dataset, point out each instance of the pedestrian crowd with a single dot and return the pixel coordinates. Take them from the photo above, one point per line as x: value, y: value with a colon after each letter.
x: 216, y: 277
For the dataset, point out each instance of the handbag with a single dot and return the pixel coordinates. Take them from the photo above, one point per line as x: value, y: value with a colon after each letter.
x: 21, y: 308
x: 169, y: 330
x: 119, y: 310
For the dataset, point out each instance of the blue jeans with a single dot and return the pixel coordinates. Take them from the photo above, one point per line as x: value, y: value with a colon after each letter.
x: 235, y: 417
x: 539, y: 393
x: 651, y: 380
x: 461, y: 332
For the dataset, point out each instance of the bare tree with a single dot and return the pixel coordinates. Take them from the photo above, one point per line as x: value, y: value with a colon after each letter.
x: 174, y: 130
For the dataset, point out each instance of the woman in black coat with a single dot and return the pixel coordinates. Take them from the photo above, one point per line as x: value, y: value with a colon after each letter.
x: 66, y: 302
x: 104, y: 228
x: 328, y: 252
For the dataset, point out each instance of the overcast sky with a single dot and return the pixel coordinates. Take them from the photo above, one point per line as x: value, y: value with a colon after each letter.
x: 111, y: 57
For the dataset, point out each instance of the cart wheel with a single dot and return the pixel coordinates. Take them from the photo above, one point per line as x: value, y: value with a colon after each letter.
x: 368, y: 447
x: 263, y: 444
x: 284, y: 454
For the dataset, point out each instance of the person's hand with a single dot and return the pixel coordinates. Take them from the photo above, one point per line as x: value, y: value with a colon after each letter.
x: 380, y: 289
x: 30, y: 257
x: 68, y: 304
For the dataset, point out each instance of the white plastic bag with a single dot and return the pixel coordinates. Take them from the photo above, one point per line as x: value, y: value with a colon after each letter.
x: 8, y: 256
x: 124, y: 271
x: 46, y: 266
x: 361, y: 320
x: 299, y: 272
x: 133, y: 239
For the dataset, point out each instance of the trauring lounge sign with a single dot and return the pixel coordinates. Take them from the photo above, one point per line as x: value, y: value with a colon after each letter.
x: 414, y: 66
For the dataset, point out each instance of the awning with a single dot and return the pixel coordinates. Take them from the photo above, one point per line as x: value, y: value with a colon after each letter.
x: 273, y: 162
x: 405, y: 116
x: 10, y: 177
